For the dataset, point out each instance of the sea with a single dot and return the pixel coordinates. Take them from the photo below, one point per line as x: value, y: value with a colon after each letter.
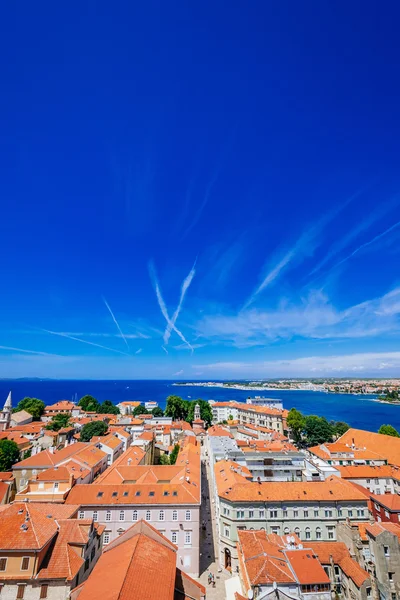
x: 362, y: 412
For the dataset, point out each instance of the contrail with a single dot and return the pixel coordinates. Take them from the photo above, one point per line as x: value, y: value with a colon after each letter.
x: 28, y: 351
x: 116, y: 322
x: 374, y: 239
x: 162, y: 304
x: 71, y: 337
x: 138, y: 351
x: 185, y: 286
x: 165, y: 350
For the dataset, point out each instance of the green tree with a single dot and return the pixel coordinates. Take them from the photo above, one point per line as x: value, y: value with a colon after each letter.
x: 176, y: 408
x: 389, y: 430
x: 33, y: 406
x: 174, y: 454
x: 140, y: 410
x: 108, y: 408
x: 88, y: 403
x: 9, y: 454
x: 205, y: 411
x: 157, y: 412
x: 296, y: 422
x: 230, y: 418
x: 92, y: 429
x: 317, y: 430
x: 340, y: 427
x: 164, y: 459
x: 59, y: 421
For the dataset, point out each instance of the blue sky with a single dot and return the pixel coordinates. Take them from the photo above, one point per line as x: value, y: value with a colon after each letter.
x: 200, y: 190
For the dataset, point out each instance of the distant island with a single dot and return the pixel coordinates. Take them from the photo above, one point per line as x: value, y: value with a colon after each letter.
x: 387, y: 389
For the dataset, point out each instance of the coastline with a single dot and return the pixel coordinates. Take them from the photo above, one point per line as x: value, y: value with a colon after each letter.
x: 385, y: 402
x: 246, y: 388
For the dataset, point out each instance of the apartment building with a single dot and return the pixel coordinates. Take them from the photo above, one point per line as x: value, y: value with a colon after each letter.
x: 168, y: 497
x: 224, y: 411
x: 382, y: 479
x: 83, y: 455
x: 374, y: 442
x: 54, y: 485
x: 263, y: 401
x: 44, y: 551
x: 144, y: 565
x: 127, y: 408
x: 340, y: 454
x: 310, y: 509
x: 112, y: 444
x: 261, y: 416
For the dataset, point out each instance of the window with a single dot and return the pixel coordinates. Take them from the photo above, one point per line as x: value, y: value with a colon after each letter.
x: 240, y: 514
x: 148, y: 515
x: 151, y: 493
x: 21, y: 591
x: 306, y: 514
x: 188, y: 515
x: 390, y: 576
x: 275, y: 530
x: 95, y: 515
x: 285, y: 514
x: 3, y: 564
x: 122, y: 515
x: 161, y: 515
x: 286, y: 531
x: 328, y: 514
x: 25, y: 563
x: 308, y: 533
x: 93, y: 552
x: 56, y: 486
x: 81, y: 514
x: 137, y: 493
x: 376, y: 481
x: 394, y: 596
x: 100, y: 494
x: 387, y: 515
x: 386, y: 550
x: 273, y: 514
x: 339, y: 512
x: 251, y: 514
x: 227, y: 531
x: 106, y: 538
x: 262, y: 514
x: 108, y: 515
x: 134, y: 515
x: 188, y: 538
x: 226, y: 511
x: 331, y: 533
x: 350, y: 513
x: 174, y: 515
x: 295, y: 514
x: 316, y: 512
x: 297, y: 531
x: 377, y: 507
x: 318, y: 533
x: 368, y: 481
x: 174, y: 537
x: 43, y: 590
x: 360, y: 513
x: 368, y: 590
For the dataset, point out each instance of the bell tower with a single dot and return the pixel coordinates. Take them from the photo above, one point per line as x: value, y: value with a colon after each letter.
x: 5, y: 415
x: 197, y: 412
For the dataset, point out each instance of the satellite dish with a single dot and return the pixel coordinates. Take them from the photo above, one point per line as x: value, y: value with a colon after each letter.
x: 250, y: 594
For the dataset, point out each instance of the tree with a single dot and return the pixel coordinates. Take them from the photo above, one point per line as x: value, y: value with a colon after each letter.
x: 340, y: 427
x: 108, y: 408
x: 33, y: 406
x: 296, y: 422
x: 59, y: 421
x: 230, y: 418
x: 164, y: 459
x: 389, y: 430
x: 174, y: 455
x: 205, y: 411
x: 317, y: 430
x: 92, y: 429
x: 157, y: 412
x: 88, y: 403
x: 9, y: 454
x: 140, y: 410
x: 176, y: 408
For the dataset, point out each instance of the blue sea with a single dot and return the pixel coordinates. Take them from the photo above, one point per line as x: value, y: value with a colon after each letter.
x: 359, y: 411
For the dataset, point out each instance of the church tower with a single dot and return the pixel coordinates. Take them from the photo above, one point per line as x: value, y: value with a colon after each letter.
x: 197, y: 412
x: 5, y: 415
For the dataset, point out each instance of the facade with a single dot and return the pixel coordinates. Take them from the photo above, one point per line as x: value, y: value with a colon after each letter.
x: 168, y: 497
x: 20, y: 418
x: 44, y: 553
x: 262, y: 401
x: 54, y: 485
x: 5, y: 414
x: 340, y: 454
x: 378, y: 480
x: 311, y: 510
x: 143, y: 564
x: 127, y: 408
x: 223, y: 411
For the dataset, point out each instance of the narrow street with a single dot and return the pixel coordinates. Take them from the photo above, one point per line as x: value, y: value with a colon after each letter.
x: 208, y: 539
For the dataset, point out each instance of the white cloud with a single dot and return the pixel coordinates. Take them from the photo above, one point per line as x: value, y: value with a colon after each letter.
x: 314, y: 317
x: 382, y: 363
x: 178, y: 373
